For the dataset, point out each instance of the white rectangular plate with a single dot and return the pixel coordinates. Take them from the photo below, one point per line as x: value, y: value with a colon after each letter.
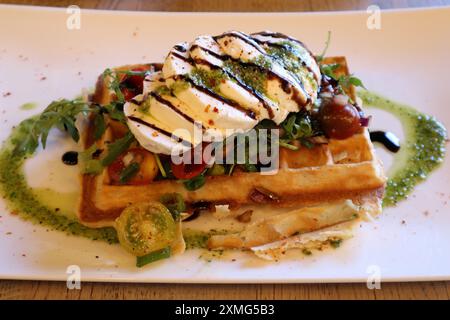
x: 406, y: 60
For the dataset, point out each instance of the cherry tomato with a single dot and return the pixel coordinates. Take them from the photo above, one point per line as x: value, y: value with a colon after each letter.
x: 132, y: 85
x: 190, y: 170
x: 339, y: 120
x: 136, y: 81
x: 148, y: 168
x: 145, y: 227
x: 128, y: 93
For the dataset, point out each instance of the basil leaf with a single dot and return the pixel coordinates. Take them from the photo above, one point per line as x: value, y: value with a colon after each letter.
x: 129, y: 172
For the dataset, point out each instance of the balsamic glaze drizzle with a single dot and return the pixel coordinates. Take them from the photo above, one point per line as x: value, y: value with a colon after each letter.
x: 387, y: 139
x: 70, y: 158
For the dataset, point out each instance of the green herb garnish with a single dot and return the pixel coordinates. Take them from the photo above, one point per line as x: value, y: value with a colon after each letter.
x: 160, y: 166
x: 195, y: 183
x: 344, y: 81
x: 89, y: 164
x: 175, y: 203
x: 117, y: 148
x: 153, y: 256
x: 129, y: 172
x: 350, y: 80
x: 114, y: 84
x: 298, y: 126
x: 329, y: 69
x: 263, y: 62
x: 210, y: 79
x: 99, y: 126
x: 59, y: 114
x: 115, y: 112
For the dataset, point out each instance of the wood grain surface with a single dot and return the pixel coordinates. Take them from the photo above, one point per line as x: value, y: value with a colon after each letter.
x: 58, y: 290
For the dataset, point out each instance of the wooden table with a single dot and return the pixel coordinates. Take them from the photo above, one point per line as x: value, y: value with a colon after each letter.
x: 58, y: 290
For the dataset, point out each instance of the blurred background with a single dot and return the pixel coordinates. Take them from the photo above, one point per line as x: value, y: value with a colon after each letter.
x: 232, y: 5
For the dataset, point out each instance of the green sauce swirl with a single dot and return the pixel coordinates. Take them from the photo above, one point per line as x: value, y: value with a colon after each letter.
x: 422, y: 151
x: 21, y: 199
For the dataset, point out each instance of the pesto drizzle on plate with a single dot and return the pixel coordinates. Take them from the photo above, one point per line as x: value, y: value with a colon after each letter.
x: 422, y: 151
x: 21, y: 199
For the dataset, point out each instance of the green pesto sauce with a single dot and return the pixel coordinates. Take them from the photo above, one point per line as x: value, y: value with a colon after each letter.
x: 179, y: 86
x: 199, y: 239
x: 163, y: 90
x: 290, y: 56
x: 422, y: 151
x: 28, y: 106
x: 29, y: 203
x: 248, y: 74
x: 210, y: 79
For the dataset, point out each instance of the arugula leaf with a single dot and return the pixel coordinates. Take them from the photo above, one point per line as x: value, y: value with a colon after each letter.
x: 344, y: 81
x: 129, y: 172
x: 99, y: 125
x: 286, y: 144
x: 30, y: 142
x: 116, y: 148
x: 115, y: 108
x: 195, y: 183
x: 95, y: 166
x: 329, y: 69
x: 297, y: 126
x: 132, y: 73
x: 115, y: 111
x: 89, y: 164
x: 114, y: 84
x: 347, y: 81
x: 60, y: 114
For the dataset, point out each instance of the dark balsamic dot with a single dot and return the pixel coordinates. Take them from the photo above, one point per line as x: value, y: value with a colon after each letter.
x: 70, y: 158
x: 388, y: 139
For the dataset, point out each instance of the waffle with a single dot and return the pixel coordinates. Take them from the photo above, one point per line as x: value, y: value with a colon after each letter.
x: 315, y: 189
